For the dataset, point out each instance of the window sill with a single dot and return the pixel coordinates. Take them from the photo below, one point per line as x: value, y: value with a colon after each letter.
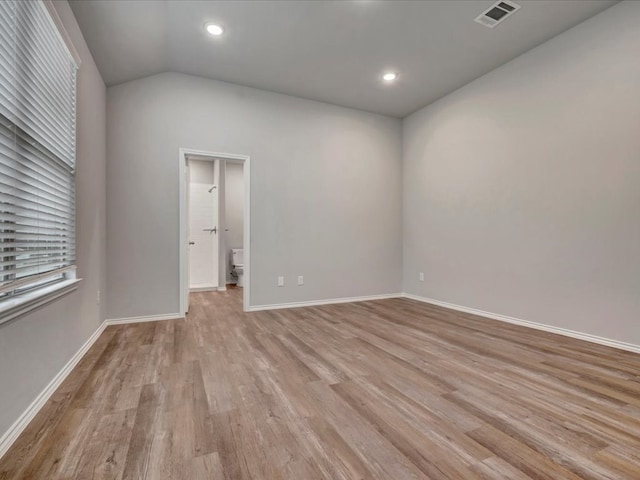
x: 15, y: 307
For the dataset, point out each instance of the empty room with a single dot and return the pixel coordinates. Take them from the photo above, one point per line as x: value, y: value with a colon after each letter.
x: 320, y: 239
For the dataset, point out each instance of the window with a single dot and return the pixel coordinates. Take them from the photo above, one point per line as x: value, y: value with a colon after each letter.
x: 37, y: 154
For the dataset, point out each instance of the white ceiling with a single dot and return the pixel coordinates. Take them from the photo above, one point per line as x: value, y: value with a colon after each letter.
x: 332, y: 51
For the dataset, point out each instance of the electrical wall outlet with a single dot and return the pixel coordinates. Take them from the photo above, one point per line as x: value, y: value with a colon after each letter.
x: 421, y: 277
x: 98, y: 297
x: 300, y: 280
x: 281, y: 281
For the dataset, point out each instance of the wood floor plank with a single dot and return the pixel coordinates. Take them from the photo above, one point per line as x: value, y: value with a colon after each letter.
x: 391, y: 389
x: 426, y: 451
x: 138, y: 455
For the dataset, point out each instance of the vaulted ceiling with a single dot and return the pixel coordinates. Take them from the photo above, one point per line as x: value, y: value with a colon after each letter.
x: 332, y: 51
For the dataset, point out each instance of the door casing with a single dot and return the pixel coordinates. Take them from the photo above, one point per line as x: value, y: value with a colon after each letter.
x: 183, y: 242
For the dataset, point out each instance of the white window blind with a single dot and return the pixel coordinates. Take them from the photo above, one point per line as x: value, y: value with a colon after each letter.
x: 37, y: 149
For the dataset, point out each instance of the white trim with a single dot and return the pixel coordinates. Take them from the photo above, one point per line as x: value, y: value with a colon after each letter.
x: 69, y: 272
x: 209, y: 288
x: 24, y: 303
x: 222, y: 289
x: 32, y: 410
x: 182, y: 242
x: 146, y: 318
x: 330, y: 301
x: 525, y: 323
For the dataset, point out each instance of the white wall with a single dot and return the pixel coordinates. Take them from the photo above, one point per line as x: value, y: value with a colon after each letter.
x: 203, y: 214
x: 325, y: 191
x: 234, y: 212
x: 35, y: 347
x: 522, y: 189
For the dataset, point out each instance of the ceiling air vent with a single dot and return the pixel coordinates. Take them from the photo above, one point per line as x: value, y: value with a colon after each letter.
x: 497, y: 13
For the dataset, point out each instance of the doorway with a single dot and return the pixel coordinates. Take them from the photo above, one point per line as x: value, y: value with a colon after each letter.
x: 203, y: 178
x: 209, y: 249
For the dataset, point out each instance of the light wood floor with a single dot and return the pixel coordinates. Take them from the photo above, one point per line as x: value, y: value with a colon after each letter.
x: 390, y: 389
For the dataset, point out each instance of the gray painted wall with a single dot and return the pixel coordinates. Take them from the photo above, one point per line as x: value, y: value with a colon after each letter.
x: 35, y: 347
x: 234, y: 213
x: 325, y: 191
x: 521, y: 190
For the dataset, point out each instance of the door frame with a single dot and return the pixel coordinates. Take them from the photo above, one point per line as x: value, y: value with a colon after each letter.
x: 183, y: 242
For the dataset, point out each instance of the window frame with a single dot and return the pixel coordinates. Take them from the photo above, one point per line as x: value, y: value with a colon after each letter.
x: 40, y: 289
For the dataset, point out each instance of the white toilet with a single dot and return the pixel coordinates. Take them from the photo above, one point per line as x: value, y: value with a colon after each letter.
x: 237, y: 259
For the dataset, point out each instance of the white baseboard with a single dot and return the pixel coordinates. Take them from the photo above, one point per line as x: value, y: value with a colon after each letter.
x: 146, y: 318
x: 208, y: 288
x: 32, y: 410
x: 222, y: 289
x: 278, y: 306
x: 525, y: 323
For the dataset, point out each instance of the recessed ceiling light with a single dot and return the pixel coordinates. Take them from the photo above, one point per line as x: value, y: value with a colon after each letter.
x: 389, y: 76
x: 214, y: 29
